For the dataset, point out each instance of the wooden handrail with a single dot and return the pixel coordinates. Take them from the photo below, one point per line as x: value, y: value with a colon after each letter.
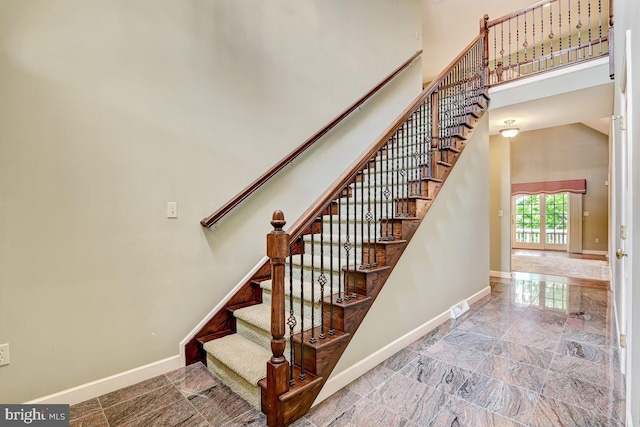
x: 227, y: 207
x: 518, y: 12
x: 337, y: 187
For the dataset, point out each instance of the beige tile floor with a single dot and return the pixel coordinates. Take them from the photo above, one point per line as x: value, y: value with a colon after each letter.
x: 538, y: 351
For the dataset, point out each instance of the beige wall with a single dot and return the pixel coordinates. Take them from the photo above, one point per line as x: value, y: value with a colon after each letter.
x: 568, y: 152
x: 111, y: 109
x: 500, y: 200
x: 428, y: 280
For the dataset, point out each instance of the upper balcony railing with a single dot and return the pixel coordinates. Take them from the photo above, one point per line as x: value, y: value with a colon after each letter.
x: 546, y: 36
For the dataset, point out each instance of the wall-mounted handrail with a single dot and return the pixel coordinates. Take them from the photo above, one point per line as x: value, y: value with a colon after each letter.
x: 235, y: 201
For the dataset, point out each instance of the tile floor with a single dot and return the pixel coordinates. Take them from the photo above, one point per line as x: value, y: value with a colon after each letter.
x: 538, y: 351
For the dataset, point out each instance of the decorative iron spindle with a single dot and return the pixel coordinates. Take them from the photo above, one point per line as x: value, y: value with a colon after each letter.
x: 332, y: 330
x: 322, y: 279
x: 312, y: 339
x: 291, y: 321
x: 302, y: 375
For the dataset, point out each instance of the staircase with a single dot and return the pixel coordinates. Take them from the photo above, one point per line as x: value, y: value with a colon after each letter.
x: 279, y: 337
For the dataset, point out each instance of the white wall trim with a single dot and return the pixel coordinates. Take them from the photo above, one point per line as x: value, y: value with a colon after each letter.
x: 114, y: 382
x: 341, y: 380
x: 503, y: 274
x: 589, y: 252
x: 218, y: 307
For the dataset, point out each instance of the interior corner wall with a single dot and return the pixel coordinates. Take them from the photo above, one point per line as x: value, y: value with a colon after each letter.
x: 500, y: 200
x: 112, y: 109
x: 428, y: 279
x: 568, y: 152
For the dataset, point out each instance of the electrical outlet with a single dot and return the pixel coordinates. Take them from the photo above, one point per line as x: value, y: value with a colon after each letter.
x: 4, y: 354
x: 597, y: 240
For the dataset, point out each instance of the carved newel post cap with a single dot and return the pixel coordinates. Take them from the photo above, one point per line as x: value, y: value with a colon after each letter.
x: 277, y: 220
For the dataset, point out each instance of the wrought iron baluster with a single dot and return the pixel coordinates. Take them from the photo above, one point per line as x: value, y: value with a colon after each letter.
x: 340, y: 287
x: 302, y: 375
x: 518, y: 44
x: 560, y: 28
x: 332, y: 330
x: 355, y: 235
x: 291, y: 321
x: 533, y: 38
x: 600, y: 25
x: 322, y: 279
x: 589, y: 21
x: 542, y: 36
x: 347, y: 243
x: 510, y: 54
x: 579, y: 28
x: 369, y: 216
x: 313, y: 286
x: 362, y: 219
x: 551, y: 35
x: 377, y: 222
x: 501, y: 48
x: 570, y: 30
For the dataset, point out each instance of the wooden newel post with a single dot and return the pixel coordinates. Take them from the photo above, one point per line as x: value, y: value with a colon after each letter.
x: 435, y: 121
x: 484, y: 32
x: 277, y: 366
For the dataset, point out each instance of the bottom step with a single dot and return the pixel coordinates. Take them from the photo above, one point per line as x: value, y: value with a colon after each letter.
x: 240, y: 364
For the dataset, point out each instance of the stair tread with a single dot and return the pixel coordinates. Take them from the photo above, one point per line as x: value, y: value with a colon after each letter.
x: 260, y: 317
x: 251, y: 366
x: 266, y: 285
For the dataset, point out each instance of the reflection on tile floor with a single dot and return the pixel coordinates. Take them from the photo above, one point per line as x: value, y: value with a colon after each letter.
x: 537, y: 351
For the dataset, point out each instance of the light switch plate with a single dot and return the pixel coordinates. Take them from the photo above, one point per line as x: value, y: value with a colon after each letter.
x: 172, y: 209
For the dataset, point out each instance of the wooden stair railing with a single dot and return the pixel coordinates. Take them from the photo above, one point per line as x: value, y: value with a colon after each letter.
x: 260, y: 181
x: 346, y: 244
x: 549, y: 35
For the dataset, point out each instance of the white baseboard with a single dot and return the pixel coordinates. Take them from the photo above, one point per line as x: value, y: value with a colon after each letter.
x: 503, y: 274
x: 588, y: 252
x: 341, y: 380
x: 107, y: 385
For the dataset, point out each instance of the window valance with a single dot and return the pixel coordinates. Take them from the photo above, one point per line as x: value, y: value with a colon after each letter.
x: 578, y: 186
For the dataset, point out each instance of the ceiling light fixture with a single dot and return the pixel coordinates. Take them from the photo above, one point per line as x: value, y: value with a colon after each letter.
x: 509, y: 131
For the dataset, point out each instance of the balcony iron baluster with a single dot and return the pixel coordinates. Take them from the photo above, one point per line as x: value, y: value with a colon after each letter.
x: 600, y: 24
